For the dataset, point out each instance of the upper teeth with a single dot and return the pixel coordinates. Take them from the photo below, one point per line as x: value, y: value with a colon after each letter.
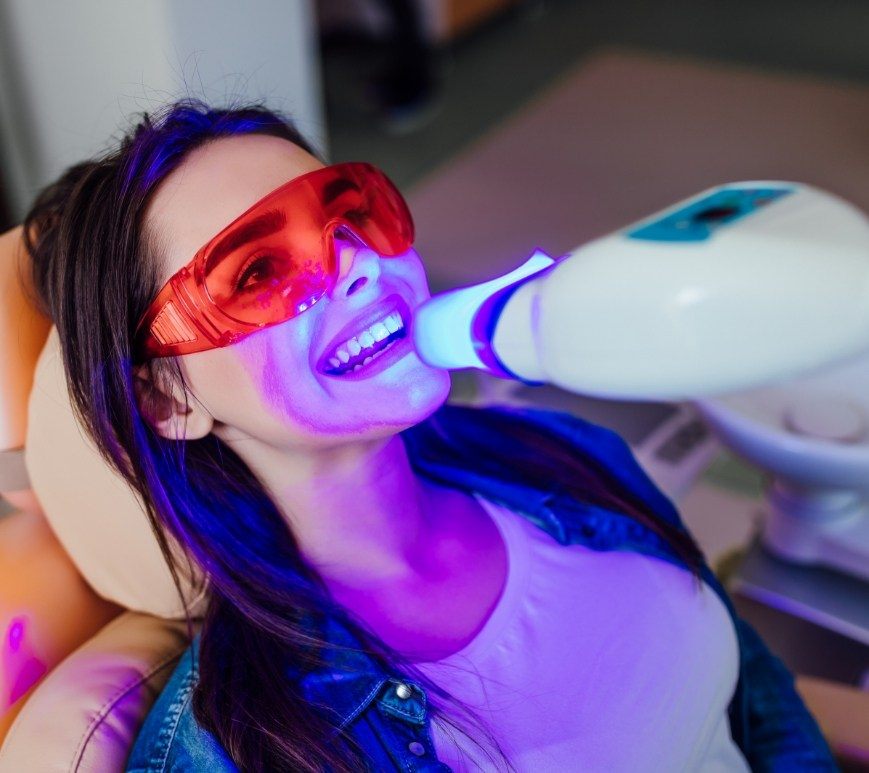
x: 366, y: 339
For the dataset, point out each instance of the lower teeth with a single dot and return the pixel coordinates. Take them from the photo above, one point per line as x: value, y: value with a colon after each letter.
x: 369, y: 358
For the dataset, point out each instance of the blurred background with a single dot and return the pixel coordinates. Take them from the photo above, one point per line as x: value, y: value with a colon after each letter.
x: 509, y: 125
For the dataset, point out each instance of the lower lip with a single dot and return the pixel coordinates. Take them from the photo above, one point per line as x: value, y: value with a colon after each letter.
x: 401, y: 348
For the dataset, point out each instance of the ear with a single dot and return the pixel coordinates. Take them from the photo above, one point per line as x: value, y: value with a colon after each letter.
x: 173, y: 414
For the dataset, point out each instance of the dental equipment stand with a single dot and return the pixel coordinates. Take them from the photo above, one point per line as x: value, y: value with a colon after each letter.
x: 811, y: 436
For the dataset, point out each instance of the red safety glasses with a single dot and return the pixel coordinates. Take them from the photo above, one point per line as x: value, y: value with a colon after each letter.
x: 274, y: 261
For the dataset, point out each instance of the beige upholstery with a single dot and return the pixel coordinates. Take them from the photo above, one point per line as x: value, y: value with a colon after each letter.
x: 90, y: 509
x: 95, y: 515
x: 85, y: 715
x: 46, y: 601
x: 22, y: 333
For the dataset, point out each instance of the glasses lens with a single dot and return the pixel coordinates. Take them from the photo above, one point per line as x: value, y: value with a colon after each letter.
x: 379, y: 214
x: 277, y: 259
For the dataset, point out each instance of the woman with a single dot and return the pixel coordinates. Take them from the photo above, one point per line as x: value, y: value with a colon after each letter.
x: 393, y: 583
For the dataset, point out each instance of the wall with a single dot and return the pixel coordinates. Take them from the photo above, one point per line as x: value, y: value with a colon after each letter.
x: 72, y: 72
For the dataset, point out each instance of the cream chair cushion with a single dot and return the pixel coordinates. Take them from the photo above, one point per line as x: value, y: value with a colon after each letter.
x: 22, y: 335
x: 95, y: 515
x: 85, y: 715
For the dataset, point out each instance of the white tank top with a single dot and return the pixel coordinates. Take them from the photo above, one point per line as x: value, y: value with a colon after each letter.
x: 593, y: 661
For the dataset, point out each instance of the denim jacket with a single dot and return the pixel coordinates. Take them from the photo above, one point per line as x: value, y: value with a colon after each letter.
x: 768, y: 720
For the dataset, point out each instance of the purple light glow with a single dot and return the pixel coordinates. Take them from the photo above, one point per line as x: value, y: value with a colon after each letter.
x: 21, y: 668
x: 15, y: 634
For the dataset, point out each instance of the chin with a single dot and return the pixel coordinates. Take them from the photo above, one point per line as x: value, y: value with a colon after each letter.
x: 420, y: 398
x: 433, y: 393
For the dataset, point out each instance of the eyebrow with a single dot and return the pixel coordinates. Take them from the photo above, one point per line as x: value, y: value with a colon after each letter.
x: 262, y: 225
x: 335, y: 188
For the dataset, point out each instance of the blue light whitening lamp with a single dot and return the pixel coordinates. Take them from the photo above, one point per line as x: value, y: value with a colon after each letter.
x: 741, y: 285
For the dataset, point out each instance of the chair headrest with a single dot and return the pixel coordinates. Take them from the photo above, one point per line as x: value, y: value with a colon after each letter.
x: 22, y: 334
x: 92, y: 511
x: 95, y: 515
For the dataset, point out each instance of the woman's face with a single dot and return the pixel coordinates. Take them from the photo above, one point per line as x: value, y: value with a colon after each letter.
x: 270, y: 386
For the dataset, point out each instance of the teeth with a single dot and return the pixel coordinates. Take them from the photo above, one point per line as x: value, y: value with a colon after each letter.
x: 392, y: 322
x: 343, y: 370
x: 376, y: 332
x: 379, y: 331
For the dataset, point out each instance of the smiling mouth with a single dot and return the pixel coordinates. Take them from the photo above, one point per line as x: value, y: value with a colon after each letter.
x: 366, y: 355
x: 366, y: 346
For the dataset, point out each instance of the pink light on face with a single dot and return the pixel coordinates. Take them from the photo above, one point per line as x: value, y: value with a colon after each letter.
x: 21, y: 668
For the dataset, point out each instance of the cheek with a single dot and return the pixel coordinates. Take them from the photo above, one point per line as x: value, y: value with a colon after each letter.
x: 410, y: 267
x: 264, y: 377
x: 218, y: 380
x: 284, y: 378
x: 227, y: 382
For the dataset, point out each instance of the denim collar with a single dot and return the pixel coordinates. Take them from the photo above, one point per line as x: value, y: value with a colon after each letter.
x: 348, y: 680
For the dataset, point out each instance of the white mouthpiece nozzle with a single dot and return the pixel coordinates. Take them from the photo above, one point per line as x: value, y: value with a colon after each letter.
x: 446, y: 327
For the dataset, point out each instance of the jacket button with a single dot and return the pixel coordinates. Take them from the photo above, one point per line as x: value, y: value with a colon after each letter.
x: 403, y: 691
x: 415, y: 747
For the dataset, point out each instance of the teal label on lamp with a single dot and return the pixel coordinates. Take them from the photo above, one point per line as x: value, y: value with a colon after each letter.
x: 699, y: 220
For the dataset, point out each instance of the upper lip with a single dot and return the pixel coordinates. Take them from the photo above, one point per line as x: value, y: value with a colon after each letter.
x: 363, y: 321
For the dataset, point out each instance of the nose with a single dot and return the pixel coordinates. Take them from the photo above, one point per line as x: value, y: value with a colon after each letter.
x: 357, y: 265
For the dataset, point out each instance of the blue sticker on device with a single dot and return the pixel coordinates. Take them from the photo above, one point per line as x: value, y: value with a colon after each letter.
x: 699, y: 220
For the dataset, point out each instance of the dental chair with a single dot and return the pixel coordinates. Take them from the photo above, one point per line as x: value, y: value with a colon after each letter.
x: 91, y: 624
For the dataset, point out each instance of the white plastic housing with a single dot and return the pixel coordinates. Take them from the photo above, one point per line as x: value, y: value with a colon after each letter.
x: 778, y: 292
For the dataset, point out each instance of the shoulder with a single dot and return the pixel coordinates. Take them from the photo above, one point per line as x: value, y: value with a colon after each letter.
x: 171, y: 739
x: 490, y: 424
x: 609, y: 450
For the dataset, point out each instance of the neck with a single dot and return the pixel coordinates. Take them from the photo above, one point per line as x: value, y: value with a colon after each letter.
x: 358, y: 511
